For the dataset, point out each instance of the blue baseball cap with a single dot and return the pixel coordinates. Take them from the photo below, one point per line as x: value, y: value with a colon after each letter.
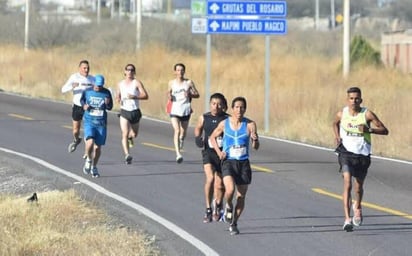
x: 99, y: 80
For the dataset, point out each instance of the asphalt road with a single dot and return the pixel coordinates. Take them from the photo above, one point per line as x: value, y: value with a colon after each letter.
x: 293, y: 206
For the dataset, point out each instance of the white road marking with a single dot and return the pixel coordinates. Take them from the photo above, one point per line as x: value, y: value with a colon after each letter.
x: 204, y: 248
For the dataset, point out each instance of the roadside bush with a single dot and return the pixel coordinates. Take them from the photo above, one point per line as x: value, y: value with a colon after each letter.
x: 362, y: 53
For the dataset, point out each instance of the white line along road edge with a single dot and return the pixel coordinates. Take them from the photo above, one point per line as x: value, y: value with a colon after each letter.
x: 167, y: 224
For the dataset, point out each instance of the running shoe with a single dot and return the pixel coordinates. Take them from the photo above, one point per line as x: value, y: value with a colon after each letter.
x: 87, y: 166
x: 181, y: 144
x: 357, y: 216
x: 347, y: 226
x: 179, y: 159
x: 228, y: 216
x: 208, y: 216
x: 72, y: 146
x: 233, y: 229
x: 130, y: 142
x: 84, y: 156
x: 217, y: 211
x: 128, y: 159
x: 95, y: 173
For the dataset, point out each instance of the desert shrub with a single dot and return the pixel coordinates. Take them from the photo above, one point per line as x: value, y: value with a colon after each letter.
x: 361, y: 52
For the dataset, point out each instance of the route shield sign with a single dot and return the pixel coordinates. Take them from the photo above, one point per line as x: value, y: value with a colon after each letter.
x: 199, y: 25
x: 198, y: 7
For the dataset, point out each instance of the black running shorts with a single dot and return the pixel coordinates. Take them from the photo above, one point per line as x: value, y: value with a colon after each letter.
x: 77, y: 113
x: 357, y: 165
x: 239, y: 169
x: 132, y: 116
x: 181, y: 118
x: 210, y: 157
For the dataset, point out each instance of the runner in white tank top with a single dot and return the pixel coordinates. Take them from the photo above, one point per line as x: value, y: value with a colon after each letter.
x: 180, y: 91
x: 181, y: 106
x: 129, y: 88
x: 129, y: 93
x: 353, y: 126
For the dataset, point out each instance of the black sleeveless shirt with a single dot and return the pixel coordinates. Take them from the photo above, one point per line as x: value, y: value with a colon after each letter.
x: 210, y: 122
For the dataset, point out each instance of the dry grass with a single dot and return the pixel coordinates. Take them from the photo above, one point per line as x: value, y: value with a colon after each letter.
x: 306, y: 90
x: 63, y: 224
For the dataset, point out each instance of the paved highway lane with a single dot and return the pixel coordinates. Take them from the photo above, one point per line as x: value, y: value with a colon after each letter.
x: 292, y: 207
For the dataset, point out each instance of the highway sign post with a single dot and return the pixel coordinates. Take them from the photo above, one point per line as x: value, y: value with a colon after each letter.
x: 242, y: 17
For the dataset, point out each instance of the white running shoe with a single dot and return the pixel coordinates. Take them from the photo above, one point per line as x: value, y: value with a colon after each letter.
x: 87, y: 166
x: 357, y: 216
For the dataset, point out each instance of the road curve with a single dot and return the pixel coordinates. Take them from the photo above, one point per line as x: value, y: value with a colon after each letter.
x: 293, y: 206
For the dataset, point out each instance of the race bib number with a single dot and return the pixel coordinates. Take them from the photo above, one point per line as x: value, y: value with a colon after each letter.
x: 219, y: 141
x: 237, y: 151
x: 96, y: 112
x: 354, y: 134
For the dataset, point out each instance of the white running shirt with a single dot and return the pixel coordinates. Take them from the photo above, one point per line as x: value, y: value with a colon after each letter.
x: 84, y: 84
x: 355, y: 141
x: 126, y: 89
x: 180, y: 103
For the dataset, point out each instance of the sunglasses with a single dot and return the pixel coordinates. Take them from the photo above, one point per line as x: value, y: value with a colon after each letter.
x: 130, y: 69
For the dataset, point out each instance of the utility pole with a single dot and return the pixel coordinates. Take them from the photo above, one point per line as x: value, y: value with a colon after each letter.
x: 120, y: 9
x: 99, y: 6
x: 138, y: 23
x: 112, y: 9
x: 332, y: 13
x: 26, y: 26
x: 317, y: 14
x: 346, y: 38
x: 169, y: 6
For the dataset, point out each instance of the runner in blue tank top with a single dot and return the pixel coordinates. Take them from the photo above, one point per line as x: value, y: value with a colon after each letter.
x: 237, y: 131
